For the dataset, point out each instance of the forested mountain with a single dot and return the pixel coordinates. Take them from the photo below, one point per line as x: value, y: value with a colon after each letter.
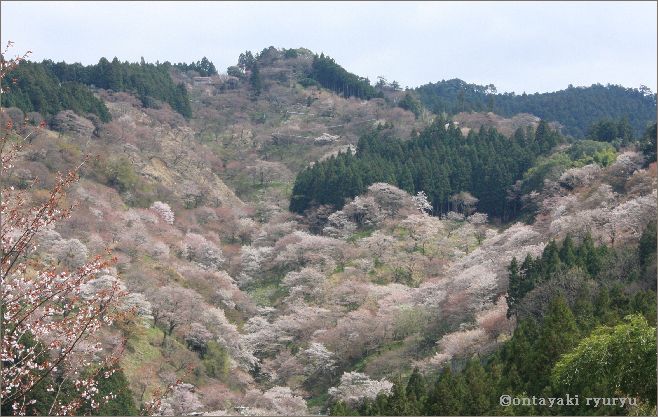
x: 440, y: 161
x: 299, y: 244
x: 204, y: 67
x: 576, y: 108
x: 571, y: 298
x: 49, y: 87
x: 33, y: 87
x: 326, y: 72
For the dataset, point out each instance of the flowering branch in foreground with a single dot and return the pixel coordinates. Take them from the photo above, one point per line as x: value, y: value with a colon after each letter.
x: 47, y: 327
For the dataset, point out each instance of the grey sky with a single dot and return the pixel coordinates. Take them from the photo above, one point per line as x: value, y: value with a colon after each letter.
x: 518, y: 46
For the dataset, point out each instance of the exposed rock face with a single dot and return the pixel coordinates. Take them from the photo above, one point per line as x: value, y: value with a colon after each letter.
x: 69, y: 122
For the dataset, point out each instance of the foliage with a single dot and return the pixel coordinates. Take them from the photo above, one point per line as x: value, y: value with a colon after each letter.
x: 205, y: 67
x: 120, y: 174
x: 37, y: 88
x: 216, y: 361
x: 440, y: 162
x: 334, y: 77
x: 620, y: 359
x: 48, y: 329
x: 122, y: 403
x: 576, y: 108
x: 580, y: 343
x: 608, y: 130
x: 557, y: 260
x: 554, y: 166
x: 411, y: 103
x: 255, y: 80
x: 648, y: 144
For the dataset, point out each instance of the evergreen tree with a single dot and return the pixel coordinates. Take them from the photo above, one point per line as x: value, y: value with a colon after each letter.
x: 255, y: 80
x: 446, y: 398
x: 478, y: 400
x: 567, y: 251
x: 416, y: 392
x: 558, y: 335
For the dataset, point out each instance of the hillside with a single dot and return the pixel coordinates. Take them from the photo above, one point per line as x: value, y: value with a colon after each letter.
x: 329, y: 308
x: 575, y: 108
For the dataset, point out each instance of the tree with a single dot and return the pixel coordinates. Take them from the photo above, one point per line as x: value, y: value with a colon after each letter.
x: 42, y: 318
x: 446, y: 397
x: 648, y: 144
x: 246, y: 61
x: 409, y: 102
x: 206, y: 67
x: 197, y: 248
x: 164, y: 211
x: 416, y: 392
x: 255, y: 80
x: 464, y: 202
x: 647, y: 247
x: 421, y: 202
x: 620, y: 358
x: 558, y: 335
x: 354, y: 387
x: 173, y: 307
x: 183, y: 400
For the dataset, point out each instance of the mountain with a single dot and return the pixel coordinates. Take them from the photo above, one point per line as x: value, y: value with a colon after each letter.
x: 576, y: 108
x: 409, y: 263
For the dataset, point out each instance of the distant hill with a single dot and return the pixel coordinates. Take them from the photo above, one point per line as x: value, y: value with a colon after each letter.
x: 48, y: 87
x: 576, y: 108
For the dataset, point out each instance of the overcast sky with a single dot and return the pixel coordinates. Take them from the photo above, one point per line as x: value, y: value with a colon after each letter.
x: 518, y: 46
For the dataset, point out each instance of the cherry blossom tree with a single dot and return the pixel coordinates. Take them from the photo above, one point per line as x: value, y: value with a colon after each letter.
x: 454, y: 216
x: 284, y: 402
x: 391, y: 199
x: 479, y: 220
x: 301, y: 249
x: 363, y: 211
x: 278, y: 401
x: 339, y: 225
x: 356, y: 387
x: 227, y: 335
x: 460, y: 343
x: 198, y: 249
x: 578, y: 177
x: 71, y: 253
x: 164, y: 211
x: 183, y: 400
x: 307, y: 282
x: 252, y: 260
x: 173, y: 307
x: 197, y: 337
x: 47, y: 328
x: 421, y: 202
x: 319, y: 360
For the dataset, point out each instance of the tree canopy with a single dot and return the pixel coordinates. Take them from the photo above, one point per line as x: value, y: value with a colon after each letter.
x: 440, y: 161
x: 576, y: 108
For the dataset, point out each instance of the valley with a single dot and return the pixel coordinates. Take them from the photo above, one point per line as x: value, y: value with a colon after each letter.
x: 293, y: 239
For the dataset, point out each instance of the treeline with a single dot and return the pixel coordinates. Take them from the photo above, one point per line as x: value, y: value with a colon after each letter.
x: 147, y: 81
x: 439, y: 161
x: 205, y: 67
x: 49, y: 87
x: 327, y: 73
x: 611, y: 130
x: 587, y: 318
x: 33, y: 87
x: 577, y: 108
